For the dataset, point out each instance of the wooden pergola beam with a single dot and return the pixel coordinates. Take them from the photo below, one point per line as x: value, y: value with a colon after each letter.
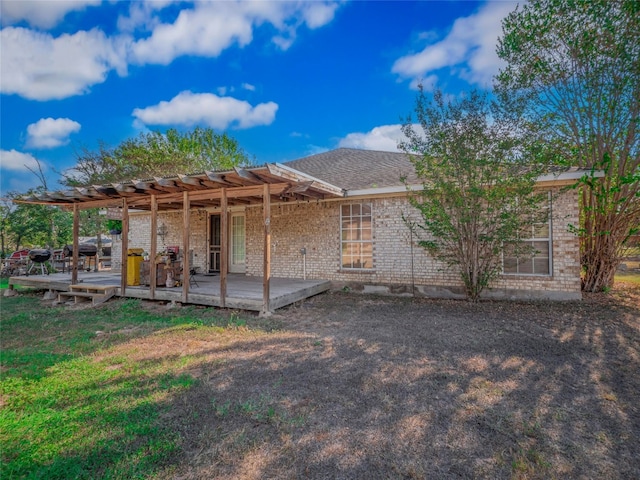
x: 224, y: 253
x: 186, y: 233
x: 153, y: 267
x: 125, y: 246
x: 75, y: 254
x: 266, y: 279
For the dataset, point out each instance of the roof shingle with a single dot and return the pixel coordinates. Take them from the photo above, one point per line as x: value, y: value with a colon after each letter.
x: 354, y: 169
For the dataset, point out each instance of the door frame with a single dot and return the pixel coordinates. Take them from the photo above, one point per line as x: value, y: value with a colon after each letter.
x: 231, y: 268
x: 240, y: 267
x: 210, y: 266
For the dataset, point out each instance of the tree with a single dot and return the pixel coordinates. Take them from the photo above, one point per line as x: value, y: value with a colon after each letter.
x: 478, y: 175
x: 38, y: 225
x: 6, y: 206
x: 156, y: 154
x: 575, y: 66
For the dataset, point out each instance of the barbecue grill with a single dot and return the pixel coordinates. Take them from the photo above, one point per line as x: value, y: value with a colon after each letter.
x: 38, y: 257
x: 84, y: 250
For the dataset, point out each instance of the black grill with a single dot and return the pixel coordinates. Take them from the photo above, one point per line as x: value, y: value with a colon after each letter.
x: 39, y: 255
x: 84, y: 249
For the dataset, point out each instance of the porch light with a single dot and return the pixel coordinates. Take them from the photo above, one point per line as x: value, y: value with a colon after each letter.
x: 163, y: 231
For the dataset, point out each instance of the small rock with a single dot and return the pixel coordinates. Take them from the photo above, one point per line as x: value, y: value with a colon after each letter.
x: 50, y: 295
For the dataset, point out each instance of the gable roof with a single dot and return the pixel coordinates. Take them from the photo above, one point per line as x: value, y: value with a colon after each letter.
x: 353, y: 169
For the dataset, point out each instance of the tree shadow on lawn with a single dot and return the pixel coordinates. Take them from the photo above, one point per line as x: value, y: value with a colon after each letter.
x: 360, y: 388
x: 491, y: 391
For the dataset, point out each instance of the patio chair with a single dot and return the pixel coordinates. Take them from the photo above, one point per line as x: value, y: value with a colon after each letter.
x: 192, y: 276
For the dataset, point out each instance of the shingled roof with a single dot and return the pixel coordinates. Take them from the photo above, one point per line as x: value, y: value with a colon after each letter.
x: 353, y: 169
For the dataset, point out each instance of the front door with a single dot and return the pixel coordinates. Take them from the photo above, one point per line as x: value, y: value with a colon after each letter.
x: 215, y: 243
x: 237, y: 243
x: 236, y: 246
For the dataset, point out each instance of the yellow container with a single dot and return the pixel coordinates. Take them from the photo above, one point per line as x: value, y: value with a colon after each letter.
x: 133, y: 270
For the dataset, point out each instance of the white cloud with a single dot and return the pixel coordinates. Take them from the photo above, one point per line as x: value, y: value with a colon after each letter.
x: 51, y: 132
x: 318, y: 14
x: 384, y: 138
x: 39, y: 67
x: 210, y: 27
x: 141, y: 15
x: 41, y: 14
x: 15, y: 161
x: 314, y: 150
x: 188, y: 108
x: 248, y: 86
x: 428, y: 84
x: 468, y: 49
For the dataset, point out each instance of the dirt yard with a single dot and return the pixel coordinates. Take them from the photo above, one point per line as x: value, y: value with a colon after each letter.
x: 354, y: 387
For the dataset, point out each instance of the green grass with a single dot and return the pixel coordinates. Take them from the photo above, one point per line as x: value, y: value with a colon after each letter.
x: 628, y: 278
x: 73, y: 408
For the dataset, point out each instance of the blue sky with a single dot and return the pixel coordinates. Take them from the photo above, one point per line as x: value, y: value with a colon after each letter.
x: 287, y: 79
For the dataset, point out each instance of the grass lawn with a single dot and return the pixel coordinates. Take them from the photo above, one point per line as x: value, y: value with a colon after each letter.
x: 630, y: 276
x: 75, y: 406
x: 340, y: 386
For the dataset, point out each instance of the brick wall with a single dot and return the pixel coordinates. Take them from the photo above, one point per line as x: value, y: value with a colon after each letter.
x: 400, y: 266
x: 140, y: 236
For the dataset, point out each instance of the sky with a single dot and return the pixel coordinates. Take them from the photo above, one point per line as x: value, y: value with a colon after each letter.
x: 286, y: 79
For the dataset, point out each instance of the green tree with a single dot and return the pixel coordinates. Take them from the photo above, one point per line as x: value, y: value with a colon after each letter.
x: 38, y: 226
x: 478, y: 176
x: 6, y: 206
x: 575, y: 66
x: 155, y: 154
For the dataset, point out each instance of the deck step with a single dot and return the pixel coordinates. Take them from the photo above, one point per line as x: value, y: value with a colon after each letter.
x: 91, y: 288
x: 96, y: 293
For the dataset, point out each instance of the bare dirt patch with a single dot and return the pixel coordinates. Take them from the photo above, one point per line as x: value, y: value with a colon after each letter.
x: 367, y: 387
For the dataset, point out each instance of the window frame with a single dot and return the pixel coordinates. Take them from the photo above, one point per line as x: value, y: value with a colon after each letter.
x: 532, y: 241
x: 360, y: 242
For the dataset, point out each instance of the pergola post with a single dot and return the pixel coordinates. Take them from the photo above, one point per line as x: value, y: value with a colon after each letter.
x: 266, y: 279
x: 153, y: 267
x: 76, y: 244
x: 125, y: 246
x: 224, y: 255
x: 186, y: 226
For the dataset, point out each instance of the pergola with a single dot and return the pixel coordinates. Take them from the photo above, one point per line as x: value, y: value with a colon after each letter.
x: 222, y: 189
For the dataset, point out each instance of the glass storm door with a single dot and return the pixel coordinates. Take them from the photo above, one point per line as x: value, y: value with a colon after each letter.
x: 237, y: 243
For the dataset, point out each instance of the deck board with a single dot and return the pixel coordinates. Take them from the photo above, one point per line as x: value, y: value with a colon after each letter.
x: 243, y: 292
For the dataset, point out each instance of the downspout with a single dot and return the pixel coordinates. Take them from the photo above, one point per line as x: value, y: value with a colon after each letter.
x: 303, y: 251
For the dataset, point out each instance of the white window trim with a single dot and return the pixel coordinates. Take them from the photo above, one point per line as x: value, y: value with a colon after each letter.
x: 548, y: 239
x: 342, y: 242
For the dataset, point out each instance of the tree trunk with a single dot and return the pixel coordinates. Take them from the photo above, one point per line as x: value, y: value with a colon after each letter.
x: 600, y: 261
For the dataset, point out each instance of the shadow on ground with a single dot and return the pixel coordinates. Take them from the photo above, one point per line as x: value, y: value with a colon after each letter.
x: 362, y: 387
x: 380, y: 388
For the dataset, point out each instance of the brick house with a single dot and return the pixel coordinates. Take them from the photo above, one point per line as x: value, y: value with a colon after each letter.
x: 342, y: 221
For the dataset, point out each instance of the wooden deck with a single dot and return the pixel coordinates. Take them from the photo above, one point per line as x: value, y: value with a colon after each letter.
x: 243, y: 292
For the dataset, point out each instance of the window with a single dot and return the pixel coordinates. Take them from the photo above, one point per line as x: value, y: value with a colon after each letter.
x: 356, y: 236
x: 536, y: 257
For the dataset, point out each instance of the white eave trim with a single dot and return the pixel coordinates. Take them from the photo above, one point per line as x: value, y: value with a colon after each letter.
x: 383, y: 190
x: 329, y: 188
x: 563, y: 177
x: 572, y: 175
